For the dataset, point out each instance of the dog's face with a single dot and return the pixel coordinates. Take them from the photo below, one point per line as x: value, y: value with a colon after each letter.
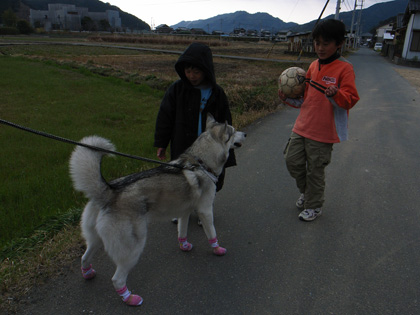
x: 238, y: 138
x: 228, y: 135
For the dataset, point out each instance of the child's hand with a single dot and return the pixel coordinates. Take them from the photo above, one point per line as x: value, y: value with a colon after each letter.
x: 331, y: 90
x: 282, y: 97
x: 161, y: 153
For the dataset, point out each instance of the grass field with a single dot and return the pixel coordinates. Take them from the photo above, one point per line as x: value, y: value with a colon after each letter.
x: 72, y: 104
x: 250, y: 85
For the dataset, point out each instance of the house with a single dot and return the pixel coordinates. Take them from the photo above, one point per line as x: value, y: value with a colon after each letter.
x: 198, y: 31
x: 164, y: 29
x: 404, y: 46
x: 252, y: 33
x: 69, y: 17
x: 239, y: 31
x: 218, y: 33
x: 366, y: 38
x: 411, y: 48
x: 281, y: 36
x: 381, y: 32
x: 265, y: 34
x: 300, y: 42
x: 182, y: 31
x: 388, y: 37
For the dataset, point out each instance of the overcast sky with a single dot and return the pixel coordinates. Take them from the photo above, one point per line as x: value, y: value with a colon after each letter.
x: 170, y: 12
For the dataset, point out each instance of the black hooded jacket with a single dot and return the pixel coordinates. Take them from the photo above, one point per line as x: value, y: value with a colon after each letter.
x: 177, y: 120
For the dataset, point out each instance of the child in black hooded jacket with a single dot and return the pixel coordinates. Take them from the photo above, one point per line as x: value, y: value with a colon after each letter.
x: 183, y: 113
x: 183, y: 110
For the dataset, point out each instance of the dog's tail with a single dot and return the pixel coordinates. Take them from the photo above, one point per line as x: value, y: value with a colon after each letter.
x: 85, y: 168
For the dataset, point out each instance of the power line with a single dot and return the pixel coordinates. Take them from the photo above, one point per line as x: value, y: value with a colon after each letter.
x: 293, y: 10
x: 347, y: 5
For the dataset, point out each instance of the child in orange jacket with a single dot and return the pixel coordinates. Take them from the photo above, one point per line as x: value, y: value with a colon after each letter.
x: 323, y: 119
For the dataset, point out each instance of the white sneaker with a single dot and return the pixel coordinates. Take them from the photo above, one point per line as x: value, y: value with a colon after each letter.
x: 310, y: 214
x: 300, y: 202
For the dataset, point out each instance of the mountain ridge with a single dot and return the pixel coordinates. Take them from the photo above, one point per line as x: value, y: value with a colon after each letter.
x: 226, y: 22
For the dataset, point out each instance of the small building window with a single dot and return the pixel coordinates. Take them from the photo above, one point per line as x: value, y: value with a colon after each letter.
x: 415, y: 42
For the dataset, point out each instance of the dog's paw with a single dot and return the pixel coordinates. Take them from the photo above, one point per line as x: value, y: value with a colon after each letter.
x: 219, y: 251
x: 134, y: 300
x: 128, y: 298
x: 88, y: 273
x: 185, y: 247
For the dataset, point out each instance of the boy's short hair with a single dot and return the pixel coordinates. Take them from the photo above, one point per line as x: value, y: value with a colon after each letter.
x: 188, y: 65
x: 330, y: 30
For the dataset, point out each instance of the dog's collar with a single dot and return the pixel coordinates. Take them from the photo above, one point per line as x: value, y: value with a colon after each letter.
x: 209, y: 172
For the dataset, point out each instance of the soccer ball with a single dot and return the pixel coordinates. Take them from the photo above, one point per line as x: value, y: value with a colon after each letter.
x: 292, y: 82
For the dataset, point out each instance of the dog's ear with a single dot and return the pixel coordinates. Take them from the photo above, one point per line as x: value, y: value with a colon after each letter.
x: 225, y: 132
x: 210, y: 120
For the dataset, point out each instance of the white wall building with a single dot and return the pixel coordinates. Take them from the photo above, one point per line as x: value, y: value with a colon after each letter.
x: 69, y: 17
x: 382, y: 30
x: 411, y: 48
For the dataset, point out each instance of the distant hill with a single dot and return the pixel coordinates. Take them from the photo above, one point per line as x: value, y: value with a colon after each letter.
x: 371, y: 17
x: 240, y: 19
x: 127, y: 19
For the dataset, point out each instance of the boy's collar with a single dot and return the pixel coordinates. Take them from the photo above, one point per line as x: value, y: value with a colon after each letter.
x: 203, y: 86
x: 330, y: 59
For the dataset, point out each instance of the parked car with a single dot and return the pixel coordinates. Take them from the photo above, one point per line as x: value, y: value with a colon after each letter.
x: 377, y: 47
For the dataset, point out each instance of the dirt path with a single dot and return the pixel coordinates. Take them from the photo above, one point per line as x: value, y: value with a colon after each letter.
x: 410, y: 74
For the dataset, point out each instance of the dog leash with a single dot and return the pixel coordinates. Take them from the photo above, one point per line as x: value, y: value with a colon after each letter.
x: 50, y: 136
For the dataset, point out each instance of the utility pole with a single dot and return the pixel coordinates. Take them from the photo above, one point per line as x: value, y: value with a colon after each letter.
x: 358, y: 29
x: 352, y: 23
x: 337, y: 9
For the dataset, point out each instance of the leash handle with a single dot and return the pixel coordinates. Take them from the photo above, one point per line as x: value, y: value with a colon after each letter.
x: 50, y: 136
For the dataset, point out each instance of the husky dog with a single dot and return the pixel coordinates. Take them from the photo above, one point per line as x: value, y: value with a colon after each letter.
x: 117, y: 213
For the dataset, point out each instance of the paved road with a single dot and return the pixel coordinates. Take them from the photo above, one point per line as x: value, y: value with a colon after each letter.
x: 361, y: 257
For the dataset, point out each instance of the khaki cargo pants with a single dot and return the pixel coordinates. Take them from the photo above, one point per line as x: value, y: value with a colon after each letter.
x: 306, y: 161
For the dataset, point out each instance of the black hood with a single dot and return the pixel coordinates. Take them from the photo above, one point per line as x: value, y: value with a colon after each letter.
x: 200, y: 56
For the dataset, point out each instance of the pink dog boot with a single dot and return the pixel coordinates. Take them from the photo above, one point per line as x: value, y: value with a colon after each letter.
x: 128, y: 298
x: 217, y: 250
x: 184, y: 245
x: 88, y: 273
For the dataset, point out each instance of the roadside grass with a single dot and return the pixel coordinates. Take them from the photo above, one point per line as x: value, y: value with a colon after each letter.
x: 71, y: 104
x: 47, y: 259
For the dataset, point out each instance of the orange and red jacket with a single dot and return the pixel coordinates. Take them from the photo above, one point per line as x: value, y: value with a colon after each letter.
x: 322, y: 118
